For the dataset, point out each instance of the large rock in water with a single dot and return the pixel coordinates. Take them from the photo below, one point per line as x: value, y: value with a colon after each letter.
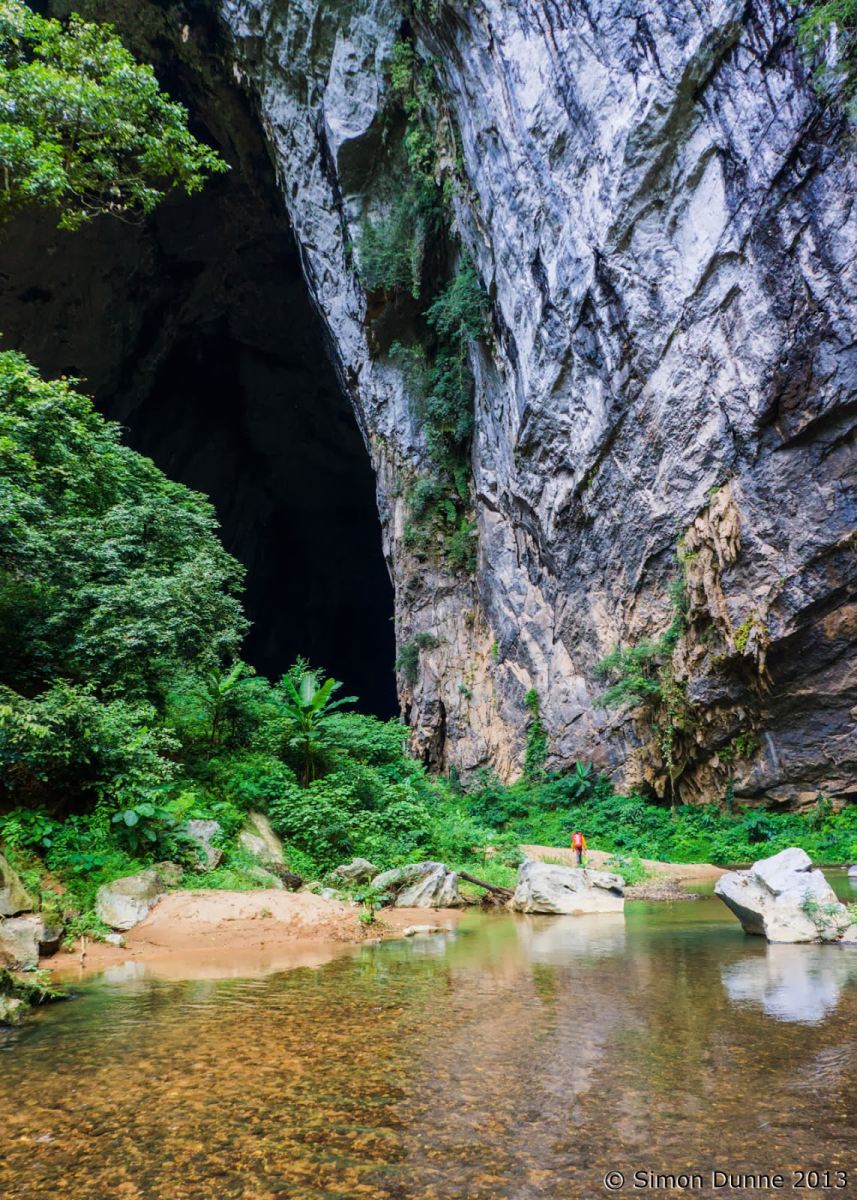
x: 14, y: 897
x: 544, y: 888
x: 126, y: 902
x: 785, y: 899
x: 421, y: 885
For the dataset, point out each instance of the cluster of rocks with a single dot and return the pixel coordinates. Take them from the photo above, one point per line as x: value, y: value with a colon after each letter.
x: 25, y: 933
x: 785, y: 898
x: 126, y: 902
x: 541, y: 887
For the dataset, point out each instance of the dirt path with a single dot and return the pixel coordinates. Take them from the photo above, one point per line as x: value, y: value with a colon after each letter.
x: 681, y: 872
x: 219, y: 933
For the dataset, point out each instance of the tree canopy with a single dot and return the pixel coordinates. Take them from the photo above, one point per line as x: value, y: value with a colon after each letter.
x: 84, y: 127
x: 110, y: 573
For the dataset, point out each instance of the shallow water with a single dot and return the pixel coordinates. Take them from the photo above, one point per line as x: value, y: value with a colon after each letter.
x: 516, y: 1058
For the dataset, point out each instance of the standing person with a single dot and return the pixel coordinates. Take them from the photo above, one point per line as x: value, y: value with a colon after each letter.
x: 578, y: 847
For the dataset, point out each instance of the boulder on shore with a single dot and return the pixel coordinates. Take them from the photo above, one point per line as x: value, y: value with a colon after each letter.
x: 421, y: 885
x: 785, y: 899
x: 126, y: 902
x: 359, y: 870
x: 545, y: 888
x: 202, y: 834
x: 14, y: 897
x: 23, y: 939
x: 258, y: 839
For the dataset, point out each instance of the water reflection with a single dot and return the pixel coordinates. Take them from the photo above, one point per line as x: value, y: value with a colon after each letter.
x: 511, y: 1059
x: 560, y: 940
x: 792, y: 983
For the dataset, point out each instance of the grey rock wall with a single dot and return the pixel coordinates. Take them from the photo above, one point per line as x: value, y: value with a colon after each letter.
x: 662, y: 214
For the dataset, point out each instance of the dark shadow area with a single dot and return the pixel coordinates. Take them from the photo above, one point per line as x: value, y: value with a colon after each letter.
x: 196, y: 331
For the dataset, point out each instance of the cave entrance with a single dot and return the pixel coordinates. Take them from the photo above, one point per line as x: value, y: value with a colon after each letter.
x: 196, y: 331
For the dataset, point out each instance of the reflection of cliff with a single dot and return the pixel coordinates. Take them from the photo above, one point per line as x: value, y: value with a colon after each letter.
x: 792, y: 983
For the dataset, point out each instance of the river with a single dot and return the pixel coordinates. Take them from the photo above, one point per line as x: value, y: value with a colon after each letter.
x: 516, y: 1058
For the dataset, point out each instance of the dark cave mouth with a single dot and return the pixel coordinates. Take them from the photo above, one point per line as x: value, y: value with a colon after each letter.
x: 197, y: 332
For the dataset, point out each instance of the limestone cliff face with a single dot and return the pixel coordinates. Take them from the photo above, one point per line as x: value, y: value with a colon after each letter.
x: 663, y: 217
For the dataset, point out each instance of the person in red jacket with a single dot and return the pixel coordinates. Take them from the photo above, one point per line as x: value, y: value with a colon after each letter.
x: 578, y: 847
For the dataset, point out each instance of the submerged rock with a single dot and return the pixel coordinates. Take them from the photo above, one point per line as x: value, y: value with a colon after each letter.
x: 785, y: 899
x: 359, y: 870
x: 544, y: 888
x: 12, y: 1010
x: 126, y: 902
x: 421, y: 885
x: 203, y: 834
x: 258, y: 839
x: 14, y: 897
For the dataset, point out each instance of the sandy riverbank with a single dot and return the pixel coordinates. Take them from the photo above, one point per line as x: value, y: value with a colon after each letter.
x: 222, y: 933
x: 679, y: 872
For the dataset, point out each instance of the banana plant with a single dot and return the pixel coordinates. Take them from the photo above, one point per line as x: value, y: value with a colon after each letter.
x: 308, y: 703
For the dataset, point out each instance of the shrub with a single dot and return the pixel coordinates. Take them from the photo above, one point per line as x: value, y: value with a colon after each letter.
x: 821, y: 22
x: 408, y: 660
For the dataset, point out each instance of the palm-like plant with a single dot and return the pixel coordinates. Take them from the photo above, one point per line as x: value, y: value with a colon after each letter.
x: 308, y: 703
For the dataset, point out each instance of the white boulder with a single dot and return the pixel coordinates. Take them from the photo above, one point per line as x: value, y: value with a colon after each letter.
x: 126, y: 902
x: 785, y: 899
x: 545, y: 888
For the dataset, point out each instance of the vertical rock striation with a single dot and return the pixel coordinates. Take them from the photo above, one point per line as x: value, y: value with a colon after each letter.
x: 661, y: 212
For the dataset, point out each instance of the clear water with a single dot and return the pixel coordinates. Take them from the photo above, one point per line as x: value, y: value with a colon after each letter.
x: 518, y: 1058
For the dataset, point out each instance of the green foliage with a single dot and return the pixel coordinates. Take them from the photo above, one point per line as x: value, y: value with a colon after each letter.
x: 460, y: 313
x: 111, y: 576
x: 644, y: 673
x: 391, y: 249
x: 630, y: 867
x: 147, y: 828
x: 27, y: 829
x: 638, y: 671
x: 827, y: 33
x: 67, y: 742
x: 85, y: 924
x: 547, y: 813
x: 85, y: 129
x: 408, y: 661
x: 308, y: 704
x: 436, y: 367
x: 372, y: 899
x: 35, y: 989
x: 537, y: 738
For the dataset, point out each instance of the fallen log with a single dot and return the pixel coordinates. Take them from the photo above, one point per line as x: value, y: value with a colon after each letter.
x: 495, y: 889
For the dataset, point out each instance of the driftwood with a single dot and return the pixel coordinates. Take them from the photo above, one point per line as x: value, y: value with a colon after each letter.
x: 502, y: 894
